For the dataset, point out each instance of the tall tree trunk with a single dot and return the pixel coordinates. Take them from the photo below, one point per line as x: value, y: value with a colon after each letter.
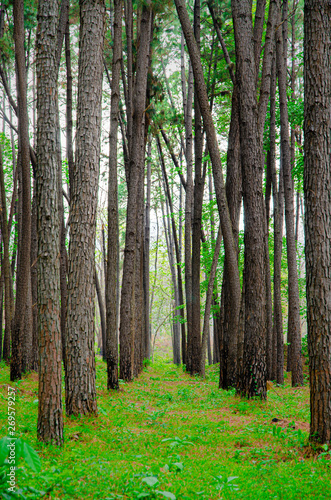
x: 277, y: 372
x: 128, y: 306
x: 50, y: 419
x: 317, y: 186
x: 188, y: 217
x: 253, y: 381
x: 112, y: 250
x: 197, y: 216
x: 294, y: 326
x: 234, y: 195
x: 147, y: 341
x: 139, y: 302
x: 69, y: 147
x: 80, y: 358
x: 175, y: 325
x: 269, y: 324
x: 229, y: 244
x: 23, y: 272
x: 5, y: 264
x: 180, y: 310
x: 34, y: 279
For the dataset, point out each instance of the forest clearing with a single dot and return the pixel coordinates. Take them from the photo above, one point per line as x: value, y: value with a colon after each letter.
x: 169, y: 432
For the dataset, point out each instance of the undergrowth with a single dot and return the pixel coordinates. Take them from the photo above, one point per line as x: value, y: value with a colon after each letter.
x: 168, y: 435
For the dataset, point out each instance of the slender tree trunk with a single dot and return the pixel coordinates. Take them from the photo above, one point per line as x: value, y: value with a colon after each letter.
x: 50, y: 420
x: 5, y: 264
x: 128, y: 306
x: 180, y: 312
x: 34, y: 279
x: 139, y: 303
x: 188, y: 217
x: 80, y: 360
x: 102, y: 313
x: 147, y: 342
x: 294, y: 326
x: 229, y: 244
x: 317, y: 186
x: 69, y: 147
x: 208, y: 304
x: 169, y: 243
x: 277, y: 372
x: 269, y: 324
x: 112, y: 250
x: 197, y: 216
x: 23, y: 274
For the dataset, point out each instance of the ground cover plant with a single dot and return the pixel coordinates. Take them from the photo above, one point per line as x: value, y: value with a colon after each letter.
x: 169, y: 435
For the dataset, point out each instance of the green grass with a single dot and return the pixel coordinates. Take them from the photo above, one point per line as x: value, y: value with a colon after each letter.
x: 167, y: 435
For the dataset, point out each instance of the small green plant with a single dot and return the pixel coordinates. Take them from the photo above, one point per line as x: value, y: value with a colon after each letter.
x: 177, y: 442
x: 226, y: 483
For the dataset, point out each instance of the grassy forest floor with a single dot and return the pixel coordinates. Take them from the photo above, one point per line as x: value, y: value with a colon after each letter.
x: 167, y: 435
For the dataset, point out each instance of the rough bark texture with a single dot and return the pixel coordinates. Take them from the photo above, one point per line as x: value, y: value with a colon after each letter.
x: 50, y: 419
x: 136, y: 164
x: 5, y: 262
x: 294, y: 326
x: 70, y: 155
x: 197, y: 215
x: 62, y: 25
x: 112, y: 250
x: 34, y: 280
x: 213, y: 149
x: 277, y: 371
x: 228, y: 376
x: 253, y: 380
x: 147, y: 340
x: 23, y: 272
x: 80, y: 362
x: 188, y: 216
x: 317, y: 188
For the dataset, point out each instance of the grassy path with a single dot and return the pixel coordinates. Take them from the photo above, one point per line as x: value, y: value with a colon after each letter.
x: 168, y: 435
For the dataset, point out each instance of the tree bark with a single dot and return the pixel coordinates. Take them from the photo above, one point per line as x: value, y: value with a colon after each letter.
x: 213, y: 149
x: 294, y: 326
x: 199, y: 181
x: 128, y: 306
x: 208, y: 304
x: 188, y: 216
x: 253, y: 381
x: 50, y: 419
x: 34, y: 279
x: 80, y: 361
x: 5, y: 264
x: 317, y: 187
x: 147, y: 340
x: 277, y: 372
x: 101, y: 311
x: 180, y: 305
x: 112, y: 250
x: 23, y: 272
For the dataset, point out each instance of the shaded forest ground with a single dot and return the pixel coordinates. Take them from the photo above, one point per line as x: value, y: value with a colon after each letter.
x: 167, y: 435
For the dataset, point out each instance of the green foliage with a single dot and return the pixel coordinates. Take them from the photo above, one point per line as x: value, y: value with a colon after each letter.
x: 168, y: 435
